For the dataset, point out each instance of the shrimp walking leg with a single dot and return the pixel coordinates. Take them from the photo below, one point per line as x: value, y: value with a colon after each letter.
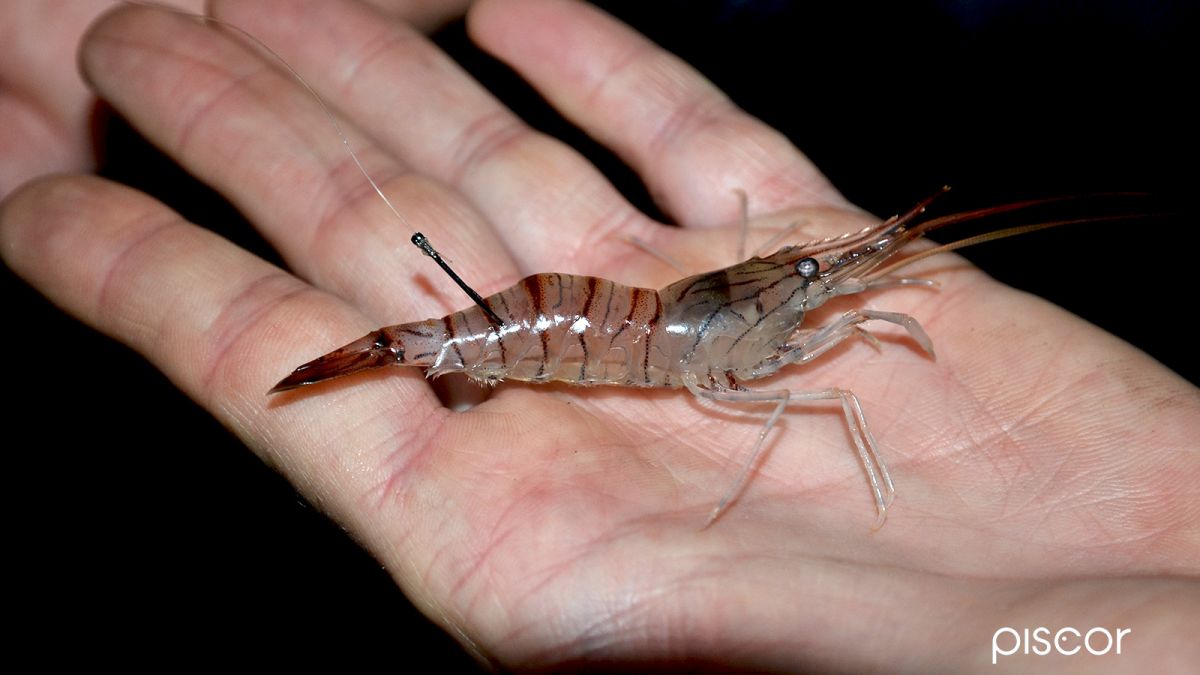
x: 880, y: 479
x: 822, y: 340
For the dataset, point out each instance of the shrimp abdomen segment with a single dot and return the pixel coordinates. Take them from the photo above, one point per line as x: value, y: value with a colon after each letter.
x: 566, y: 328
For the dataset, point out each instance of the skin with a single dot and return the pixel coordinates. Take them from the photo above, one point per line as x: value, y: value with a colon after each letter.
x: 1048, y: 472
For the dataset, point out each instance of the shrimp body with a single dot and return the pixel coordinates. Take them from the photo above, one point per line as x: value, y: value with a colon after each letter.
x: 708, y: 333
x: 590, y: 331
x: 734, y: 323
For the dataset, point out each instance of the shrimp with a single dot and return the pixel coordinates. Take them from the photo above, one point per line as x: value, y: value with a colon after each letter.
x: 708, y: 333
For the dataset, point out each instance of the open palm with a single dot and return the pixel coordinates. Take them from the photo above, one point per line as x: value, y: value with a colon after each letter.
x: 1045, y: 470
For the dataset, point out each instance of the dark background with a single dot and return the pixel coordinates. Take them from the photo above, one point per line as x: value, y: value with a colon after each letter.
x: 131, y: 500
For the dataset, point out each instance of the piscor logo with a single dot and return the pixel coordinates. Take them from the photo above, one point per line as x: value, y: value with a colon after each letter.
x: 1067, y: 641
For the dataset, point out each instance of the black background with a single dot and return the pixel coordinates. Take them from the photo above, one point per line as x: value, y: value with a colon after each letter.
x: 132, y: 502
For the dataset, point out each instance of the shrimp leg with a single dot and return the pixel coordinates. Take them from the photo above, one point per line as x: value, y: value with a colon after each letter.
x: 878, y: 475
x: 811, y: 345
x: 822, y: 340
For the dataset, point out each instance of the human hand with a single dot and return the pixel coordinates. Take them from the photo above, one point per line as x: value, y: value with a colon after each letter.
x: 595, y: 522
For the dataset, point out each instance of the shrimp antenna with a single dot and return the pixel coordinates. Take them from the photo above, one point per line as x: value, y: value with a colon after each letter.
x: 1005, y: 234
x: 418, y: 239
x: 146, y: 4
x: 422, y: 242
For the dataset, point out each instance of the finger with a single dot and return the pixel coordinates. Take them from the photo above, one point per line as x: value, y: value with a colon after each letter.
x: 222, y: 325
x: 691, y: 145
x: 43, y: 102
x: 421, y: 106
x: 237, y: 122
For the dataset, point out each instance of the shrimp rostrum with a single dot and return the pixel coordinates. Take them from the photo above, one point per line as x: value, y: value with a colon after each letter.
x: 709, y: 333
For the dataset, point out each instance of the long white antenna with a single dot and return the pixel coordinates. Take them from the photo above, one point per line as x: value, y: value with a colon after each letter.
x: 418, y: 239
x: 299, y: 78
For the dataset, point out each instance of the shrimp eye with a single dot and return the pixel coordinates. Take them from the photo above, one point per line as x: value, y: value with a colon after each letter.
x: 807, y: 267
